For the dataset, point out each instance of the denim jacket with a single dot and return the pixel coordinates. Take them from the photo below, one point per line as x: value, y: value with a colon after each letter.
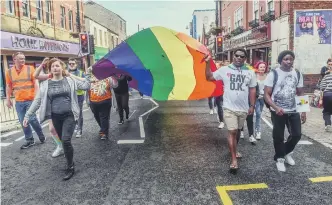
x: 43, y: 102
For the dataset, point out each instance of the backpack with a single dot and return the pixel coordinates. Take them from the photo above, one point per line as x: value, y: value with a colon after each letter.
x: 275, y: 80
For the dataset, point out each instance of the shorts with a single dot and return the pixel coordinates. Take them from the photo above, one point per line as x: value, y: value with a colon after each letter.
x: 234, y: 120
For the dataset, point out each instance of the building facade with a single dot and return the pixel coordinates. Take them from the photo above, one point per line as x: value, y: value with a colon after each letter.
x: 202, y: 19
x: 39, y: 29
x: 108, y: 19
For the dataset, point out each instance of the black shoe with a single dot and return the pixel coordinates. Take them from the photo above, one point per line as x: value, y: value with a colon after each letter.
x: 42, y: 139
x: 69, y: 172
x: 127, y: 116
x: 121, y: 122
x: 28, y: 144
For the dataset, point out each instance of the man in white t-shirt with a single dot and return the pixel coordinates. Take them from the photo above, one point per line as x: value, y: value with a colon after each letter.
x: 239, y: 84
x: 281, y: 98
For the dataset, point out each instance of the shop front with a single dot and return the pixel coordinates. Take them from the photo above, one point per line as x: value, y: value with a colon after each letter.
x: 35, y: 50
x: 256, y: 42
x: 100, y: 52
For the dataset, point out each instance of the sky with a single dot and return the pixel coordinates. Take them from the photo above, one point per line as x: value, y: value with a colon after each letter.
x: 175, y: 15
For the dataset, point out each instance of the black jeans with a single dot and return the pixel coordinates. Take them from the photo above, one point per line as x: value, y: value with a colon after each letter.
x: 64, y: 125
x: 327, y: 104
x: 219, y: 101
x: 212, y: 102
x: 294, y: 127
x: 122, y: 101
x: 80, y: 118
x: 250, y: 124
x: 102, y: 112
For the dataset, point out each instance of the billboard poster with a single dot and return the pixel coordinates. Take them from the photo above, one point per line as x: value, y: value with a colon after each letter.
x: 315, y: 23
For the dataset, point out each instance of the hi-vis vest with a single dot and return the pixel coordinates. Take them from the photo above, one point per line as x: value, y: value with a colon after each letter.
x: 22, y: 83
x: 80, y: 92
x: 100, y: 91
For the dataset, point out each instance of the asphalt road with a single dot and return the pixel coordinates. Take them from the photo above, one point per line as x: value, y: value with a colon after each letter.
x: 183, y: 160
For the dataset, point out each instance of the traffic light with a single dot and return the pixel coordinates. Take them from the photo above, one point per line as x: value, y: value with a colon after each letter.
x: 84, y: 43
x: 219, y: 44
x: 92, y: 44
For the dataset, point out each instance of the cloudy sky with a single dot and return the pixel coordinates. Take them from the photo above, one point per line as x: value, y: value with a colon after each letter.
x: 171, y: 14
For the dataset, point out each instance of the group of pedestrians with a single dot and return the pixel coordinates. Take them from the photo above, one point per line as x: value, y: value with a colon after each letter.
x: 247, y: 90
x: 58, y: 93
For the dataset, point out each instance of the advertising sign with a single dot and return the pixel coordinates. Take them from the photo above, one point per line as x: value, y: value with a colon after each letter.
x: 316, y: 23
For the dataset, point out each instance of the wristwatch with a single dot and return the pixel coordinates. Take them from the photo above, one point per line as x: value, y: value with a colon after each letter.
x: 252, y: 106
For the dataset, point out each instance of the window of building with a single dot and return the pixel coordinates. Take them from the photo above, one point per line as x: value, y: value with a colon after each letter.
x: 120, y: 25
x: 95, y: 35
x: 48, y: 12
x: 63, y: 17
x: 270, y: 5
x: 124, y: 27
x: 112, y: 41
x: 117, y: 41
x: 10, y: 6
x: 39, y: 9
x: 229, y: 24
x: 256, y: 9
x: 70, y: 20
x: 105, y: 35
x: 238, y: 17
x: 26, y: 8
x: 101, y: 37
x: 77, y: 23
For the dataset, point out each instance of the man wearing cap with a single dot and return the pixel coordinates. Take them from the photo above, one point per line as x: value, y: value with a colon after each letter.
x: 281, y: 98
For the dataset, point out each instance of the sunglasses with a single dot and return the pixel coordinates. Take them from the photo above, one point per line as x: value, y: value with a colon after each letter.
x: 239, y: 56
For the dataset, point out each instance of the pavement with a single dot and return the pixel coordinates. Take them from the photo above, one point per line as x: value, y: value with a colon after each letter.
x: 184, y: 160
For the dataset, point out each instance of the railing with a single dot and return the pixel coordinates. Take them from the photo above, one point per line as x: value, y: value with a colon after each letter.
x: 269, y: 16
x: 254, y: 23
x: 6, y: 113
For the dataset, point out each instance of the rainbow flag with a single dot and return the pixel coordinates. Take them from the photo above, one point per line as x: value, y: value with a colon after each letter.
x: 164, y: 64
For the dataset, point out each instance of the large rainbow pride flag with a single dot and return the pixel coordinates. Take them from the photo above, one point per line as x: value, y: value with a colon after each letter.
x: 164, y: 64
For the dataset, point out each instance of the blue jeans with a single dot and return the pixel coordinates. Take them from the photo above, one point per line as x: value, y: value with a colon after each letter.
x: 21, y: 109
x: 259, y: 109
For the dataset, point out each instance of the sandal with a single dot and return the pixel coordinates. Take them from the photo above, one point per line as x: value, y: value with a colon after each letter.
x: 238, y: 155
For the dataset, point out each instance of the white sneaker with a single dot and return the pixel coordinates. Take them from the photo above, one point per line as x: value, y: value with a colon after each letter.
x: 242, y: 135
x: 281, y: 165
x: 215, y: 110
x: 221, y: 125
x: 258, y: 135
x: 211, y: 112
x: 252, y: 139
x: 78, y: 134
x: 289, y: 160
x: 328, y: 128
x: 58, y: 151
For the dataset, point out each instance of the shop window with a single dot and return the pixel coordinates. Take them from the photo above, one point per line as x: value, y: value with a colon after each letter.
x: 48, y: 12
x: 26, y: 8
x: 70, y: 20
x: 39, y: 9
x: 63, y: 17
x: 10, y: 6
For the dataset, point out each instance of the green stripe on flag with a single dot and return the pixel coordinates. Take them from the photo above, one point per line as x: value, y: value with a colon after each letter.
x: 153, y: 57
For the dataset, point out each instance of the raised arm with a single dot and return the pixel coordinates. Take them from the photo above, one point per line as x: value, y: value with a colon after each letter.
x: 208, y: 73
x: 129, y: 78
x: 37, y: 74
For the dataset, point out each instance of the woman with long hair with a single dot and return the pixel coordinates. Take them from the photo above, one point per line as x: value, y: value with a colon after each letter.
x: 57, y: 100
x: 261, y: 73
x: 42, y: 74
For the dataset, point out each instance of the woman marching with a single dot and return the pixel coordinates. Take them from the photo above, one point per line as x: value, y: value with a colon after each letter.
x: 57, y: 100
x: 100, y: 102
x: 42, y: 74
x: 261, y: 73
x: 122, y: 96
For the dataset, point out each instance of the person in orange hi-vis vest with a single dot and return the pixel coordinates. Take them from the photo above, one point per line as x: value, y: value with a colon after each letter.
x: 100, y: 101
x: 20, y: 80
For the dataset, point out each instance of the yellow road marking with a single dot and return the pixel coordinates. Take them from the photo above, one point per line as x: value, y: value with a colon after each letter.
x: 321, y: 179
x: 226, y: 200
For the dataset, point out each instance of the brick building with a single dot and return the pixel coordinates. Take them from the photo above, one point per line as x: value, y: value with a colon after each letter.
x: 267, y: 27
x: 38, y: 29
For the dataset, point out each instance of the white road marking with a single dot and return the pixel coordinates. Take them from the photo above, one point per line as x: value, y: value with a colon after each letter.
x: 140, y: 118
x: 267, y: 122
x: 130, y: 141
x: 304, y: 142
x: 2, y: 144
x: 327, y: 144
x: 132, y: 114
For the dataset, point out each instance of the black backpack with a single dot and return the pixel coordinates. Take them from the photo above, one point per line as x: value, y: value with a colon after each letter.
x: 275, y: 80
